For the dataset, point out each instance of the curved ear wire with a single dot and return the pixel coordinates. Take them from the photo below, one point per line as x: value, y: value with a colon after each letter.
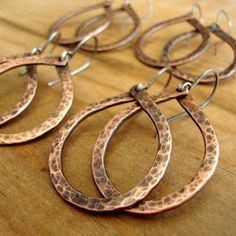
x: 189, y: 86
x: 222, y: 13
x: 54, y: 37
x: 156, y: 76
x: 146, y: 17
x: 71, y: 54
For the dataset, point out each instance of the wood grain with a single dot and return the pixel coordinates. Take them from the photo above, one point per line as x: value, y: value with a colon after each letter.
x: 28, y: 203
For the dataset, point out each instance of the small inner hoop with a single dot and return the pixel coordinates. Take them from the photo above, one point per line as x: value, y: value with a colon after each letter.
x: 190, y: 57
x: 184, y: 194
x: 119, y: 43
x: 27, y: 97
x: 225, y: 37
x: 64, y: 106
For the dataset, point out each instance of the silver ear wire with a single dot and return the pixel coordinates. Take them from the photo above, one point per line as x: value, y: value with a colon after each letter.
x: 222, y: 13
x: 146, y: 17
x: 55, y: 36
x: 189, y: 86
x: 70, y: 54
x: 156, y: 76
x: 197, y: 7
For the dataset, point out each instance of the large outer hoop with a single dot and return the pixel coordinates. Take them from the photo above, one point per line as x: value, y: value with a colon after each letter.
x: 121, y: 42
x: 69, y: 15
x: 141, y: 56
x: 184, y: 194
x: 27, y: 97
x: 64, y: 106
x: 229, y: 71
x: 74, y: 197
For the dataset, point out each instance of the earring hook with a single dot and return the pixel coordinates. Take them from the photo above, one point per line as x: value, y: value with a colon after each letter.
x: 55, y: 36
x: 197, y: 7
x: 148, y: 14
x: 143, y: 86
x: 71, y: 53
x: 190, y: 86
x: 220, y: 14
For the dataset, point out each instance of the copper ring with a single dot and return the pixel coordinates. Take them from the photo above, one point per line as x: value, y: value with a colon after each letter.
x: 190, y: 57
x: 25, y: 100
x: 179, y: 197
x: 215, y: 29
x: 121, y: 42
x: 127, y: 199
x: 69, y: 15
x: 64, y: 106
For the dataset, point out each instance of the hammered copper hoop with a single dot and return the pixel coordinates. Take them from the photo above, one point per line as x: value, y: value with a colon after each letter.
x: 121, y: 42
x: 27, y: 97
x: 180, y: 196
x: 141, y: 56
x: 107, y: 20
x: 217, y: 31
x: 124, y: 200
x: 64, y: 106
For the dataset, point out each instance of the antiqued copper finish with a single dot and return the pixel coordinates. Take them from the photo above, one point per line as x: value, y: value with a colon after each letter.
x: 25, y: 100
x: 107, y: 20
x: 190, y: 57
x: 119, y: 43
x: 64, y: 106
x: 124, y: 200
x: 179, y: 197
x: 217, y: 31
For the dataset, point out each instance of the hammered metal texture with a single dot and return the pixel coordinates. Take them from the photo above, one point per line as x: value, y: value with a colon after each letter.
x: 227, y: 73
x: 141, y: 56
x: 119, y: 43
x: 61, y: 111
x: 79, y: 11
x: 177, y: 198
x: 124, y: 200
x: 27, y: 98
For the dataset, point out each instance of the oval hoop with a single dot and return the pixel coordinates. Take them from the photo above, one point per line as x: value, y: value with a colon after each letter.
x: 121, y: 42
x: 141, y: 56
x: 64, y: 106
x: 179, y: 197
x: 217, y: 31
x: 27, y: 97
x: 71, y: 195
x: 69, y: 15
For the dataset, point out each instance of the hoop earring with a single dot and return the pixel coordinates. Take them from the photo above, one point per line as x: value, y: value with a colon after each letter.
x: 128, y: 199
x: 121, y: 42
x: 106, y: 5
x: 179, y: 197
x: 31, y: 61
x: 218, y: 32
x: 141, y: 56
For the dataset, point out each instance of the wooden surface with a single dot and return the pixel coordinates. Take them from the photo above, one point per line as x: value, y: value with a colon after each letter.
x: 29, y: 205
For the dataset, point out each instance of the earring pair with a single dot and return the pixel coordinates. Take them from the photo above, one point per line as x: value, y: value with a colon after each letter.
x: 131, y: 200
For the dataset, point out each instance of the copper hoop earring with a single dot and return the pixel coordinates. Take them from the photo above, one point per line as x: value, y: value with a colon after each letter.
x: 141, y: 56
x: 65, y: 75
x: 107, y: 20
x: 121, y: 42
x: 27, y: 97
x: 179, y: 197
x: 156, y: 172
x: 217, y: 31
